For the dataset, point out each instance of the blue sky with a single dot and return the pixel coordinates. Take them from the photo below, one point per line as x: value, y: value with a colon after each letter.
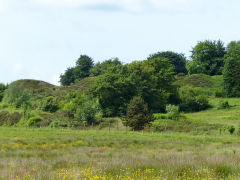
x: 39, y: 39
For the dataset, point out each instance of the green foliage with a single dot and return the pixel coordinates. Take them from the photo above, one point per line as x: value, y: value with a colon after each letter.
x: 87, y: 112
x: 17, y: 94
x: 101, y: 68
x: 49, y: 104
x: 114, y: 89
x: 3, y: 87
x: 193, y: 99
x: 219, y: 93
x: 231, y: 73
x: 223, y: 104
x: 231, y: 129
x: 176, y: 59
x: 82, y: 107
x: 207, y: 58
x: 173, y: 112
x: 33, y: 121
x: 68, y: 77
x: 80, y: 71
x: 83, y: 66
x: 137, y: 115
x: 151, y: 79
x: 61, y: 122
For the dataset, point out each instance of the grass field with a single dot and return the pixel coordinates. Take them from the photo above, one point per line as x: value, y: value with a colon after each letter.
x: 74, y: 154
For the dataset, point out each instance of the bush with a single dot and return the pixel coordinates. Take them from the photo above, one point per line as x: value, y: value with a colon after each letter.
x: 87, y: 112
x: 16, y: 94
x: 138, y: 114
x: 49, y: 104
x: 223, y: 105
x: 219, y: 93
x: 173, y: 112
x: 193, y: 99
x: 231, y: 129
x: 61, y: 122
x: 4, y: 105
x: 33, y: 121
x: 82, y: 107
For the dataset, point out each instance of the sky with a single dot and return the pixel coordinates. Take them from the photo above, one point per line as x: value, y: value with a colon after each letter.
x: 39, y: 39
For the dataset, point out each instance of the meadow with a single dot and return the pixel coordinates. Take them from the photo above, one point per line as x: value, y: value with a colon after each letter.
x: 101, y: 154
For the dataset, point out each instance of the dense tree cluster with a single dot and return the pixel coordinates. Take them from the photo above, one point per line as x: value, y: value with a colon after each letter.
x: 231, y: 73
x: 80, y: 71
x: 85, y: 68
x: 176, y: 59
x: 150, y: 79
x: 207, y: 58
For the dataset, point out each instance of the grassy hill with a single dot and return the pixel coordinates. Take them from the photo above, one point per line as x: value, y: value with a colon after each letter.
x: 209, y: 83
x: 40, y: 89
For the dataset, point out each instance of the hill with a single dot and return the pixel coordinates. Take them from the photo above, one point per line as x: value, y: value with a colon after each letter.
x: 209, y: 83
x: 40, y: 89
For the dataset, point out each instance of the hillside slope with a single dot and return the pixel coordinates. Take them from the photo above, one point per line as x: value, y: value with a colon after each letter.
x: 41, y: 89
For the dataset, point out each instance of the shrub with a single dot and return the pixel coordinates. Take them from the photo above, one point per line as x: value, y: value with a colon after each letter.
x: 193, y: 99
x: 82, y: 107
x: 223, y: 105
x: 33, y: 121
x: 4, y: 105
x: 138, y: 114
x: 87, y: 112
x: 231, y: 129
x: 49, y: 104
x: 16, y: 94
x: 219, y: 93
x: 173, y: 112
x: 61, y: 122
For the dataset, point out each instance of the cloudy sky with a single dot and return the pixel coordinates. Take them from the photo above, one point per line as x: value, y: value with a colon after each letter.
x: 39, y: 39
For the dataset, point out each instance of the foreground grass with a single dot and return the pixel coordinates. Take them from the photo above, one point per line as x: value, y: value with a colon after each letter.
x: 73, y: 154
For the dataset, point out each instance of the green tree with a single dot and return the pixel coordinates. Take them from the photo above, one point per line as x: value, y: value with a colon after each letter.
x: 68, y: 77
x: 83, y: 66
x: 114, y: 89
x: 80, y: 71
x: 3, y: 87
x: 17, y: 94
x: 176, y: 59
x: 82, y: 107
x: 231, y: 73
x: 137, y: 115
x: 101, y: 68
x: 193, y: 99
x: 207, y: 58
x: 151, y: 79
